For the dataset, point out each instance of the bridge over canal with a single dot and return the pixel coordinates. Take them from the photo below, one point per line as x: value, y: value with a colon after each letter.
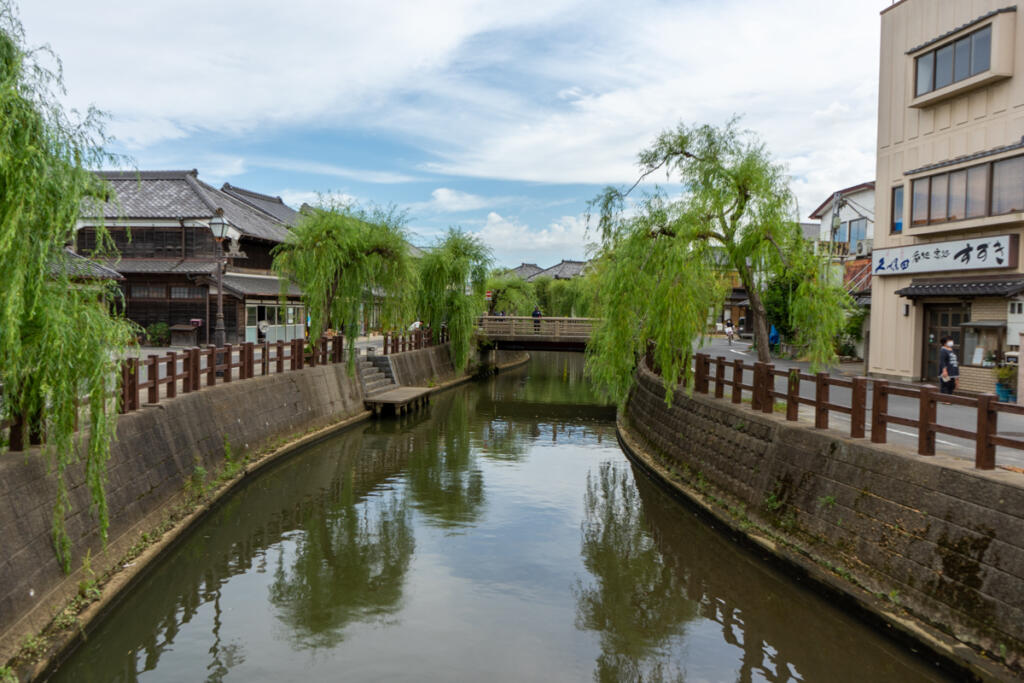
x: 528, y: 333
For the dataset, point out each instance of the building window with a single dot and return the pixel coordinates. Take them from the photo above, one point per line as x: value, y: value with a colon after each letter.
x: 897, y: 210
x: 967, y: 193
x: 188, y: 293
x: 1008, y: 186
x: 858, y: 231
x: 953, y: 62
x: 149, y: 292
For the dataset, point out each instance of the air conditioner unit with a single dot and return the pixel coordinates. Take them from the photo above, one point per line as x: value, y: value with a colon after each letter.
x: 864, y: 247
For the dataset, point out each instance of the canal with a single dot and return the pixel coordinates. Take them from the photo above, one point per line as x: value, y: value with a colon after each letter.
x: 501, y: 535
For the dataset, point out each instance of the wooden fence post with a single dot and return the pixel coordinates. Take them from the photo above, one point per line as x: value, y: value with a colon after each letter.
x: 126, y: 404
x: 793, y: 396
x: 858, y: 407
x: 153, y: 378
x: 737, y: 381
x: 280, y: 356
x: 211, y: 365
x: 172, y: 374
x: 755, y: 396
x: 821, y: 400
x: 984, y: 449
x: 879, y: 409
x: 768, y: 395
x: 700, y: 378
x: 720, y: 377
x: 927, y: 411
x: 228, y: 361
x: 300, y: 346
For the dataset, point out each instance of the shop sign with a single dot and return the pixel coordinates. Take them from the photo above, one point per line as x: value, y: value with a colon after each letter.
x: 979, y: 253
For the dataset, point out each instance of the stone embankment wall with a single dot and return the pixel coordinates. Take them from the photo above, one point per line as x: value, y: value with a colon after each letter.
x: 432, y: 366
x: 157, y: 451
x: 931, y: 545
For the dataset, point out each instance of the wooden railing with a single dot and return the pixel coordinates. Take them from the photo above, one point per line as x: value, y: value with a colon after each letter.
x: 507, y: 327
x: 715, y: 375
x: 226, y: 364
x: 411, y: 341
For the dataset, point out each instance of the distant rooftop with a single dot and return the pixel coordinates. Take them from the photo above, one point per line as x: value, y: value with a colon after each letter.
x: 273, y: 206
x: 565, y: 270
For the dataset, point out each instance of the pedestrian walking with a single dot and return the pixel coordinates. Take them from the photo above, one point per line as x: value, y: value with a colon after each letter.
x: 730, y: 331
x: 949, y: 369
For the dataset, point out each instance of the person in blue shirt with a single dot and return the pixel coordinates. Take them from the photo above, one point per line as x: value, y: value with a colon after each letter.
x: 949, y: 369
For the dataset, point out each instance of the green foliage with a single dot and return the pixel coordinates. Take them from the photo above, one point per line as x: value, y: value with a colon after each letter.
x: 542, y: 293
x: 87, y: 587
x: 827, y: 501
x: 511, y: 294
x: 158, y: 334
x: 572, y: 298
x: 1007, y: 374
x: 58, y: 338
x: 7, y: 675
x: 453, y: 276
x: 664, y: 261
x: 342, y: 256
x: 778, y: 294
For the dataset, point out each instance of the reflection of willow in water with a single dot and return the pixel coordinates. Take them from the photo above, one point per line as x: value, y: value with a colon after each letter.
x: 552, y: 378
x: 635, y: 602
x: 444, y: 479
x: 349, y: 564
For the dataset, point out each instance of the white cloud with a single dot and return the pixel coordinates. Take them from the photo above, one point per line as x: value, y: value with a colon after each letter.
x: 560, y: 91
x: 446, y: 200
x: 511, y: 240
x: 296, y: 198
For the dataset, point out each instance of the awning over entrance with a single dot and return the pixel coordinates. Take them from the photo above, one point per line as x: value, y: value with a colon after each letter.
x: 245, y: 285
x: 962, y: 288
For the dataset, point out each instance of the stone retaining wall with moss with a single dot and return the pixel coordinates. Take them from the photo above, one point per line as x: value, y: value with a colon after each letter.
x: 928, y: 540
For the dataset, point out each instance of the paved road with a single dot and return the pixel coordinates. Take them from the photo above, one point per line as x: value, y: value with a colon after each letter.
x: 954, y: 416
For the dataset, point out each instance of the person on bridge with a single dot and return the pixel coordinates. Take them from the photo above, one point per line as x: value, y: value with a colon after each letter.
x: 536, y: 319
x: 949, y: 369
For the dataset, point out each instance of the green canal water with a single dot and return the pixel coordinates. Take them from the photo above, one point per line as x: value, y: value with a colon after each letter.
x: 500, y: 535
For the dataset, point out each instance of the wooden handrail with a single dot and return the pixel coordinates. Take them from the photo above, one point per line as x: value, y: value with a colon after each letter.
x: 763, y: 394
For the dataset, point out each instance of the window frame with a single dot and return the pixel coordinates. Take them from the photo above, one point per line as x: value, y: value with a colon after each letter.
x: 984, y: 172
x: 896, y: 217
x: 932, y: 57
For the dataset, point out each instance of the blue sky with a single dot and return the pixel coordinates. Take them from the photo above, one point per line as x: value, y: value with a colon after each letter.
x: 502, y: 118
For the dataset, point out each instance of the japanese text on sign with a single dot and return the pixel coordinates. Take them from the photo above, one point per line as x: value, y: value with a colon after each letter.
x: 971, y: 254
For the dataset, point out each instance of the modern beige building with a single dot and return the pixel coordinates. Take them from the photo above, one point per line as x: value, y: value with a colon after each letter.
x: 950, y: 188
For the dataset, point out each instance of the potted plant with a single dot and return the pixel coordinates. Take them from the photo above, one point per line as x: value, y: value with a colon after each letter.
x: 1006, y: 382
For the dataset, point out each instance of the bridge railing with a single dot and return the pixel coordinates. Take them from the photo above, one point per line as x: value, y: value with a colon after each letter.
x: 507, y: 327
x: 715, y: 375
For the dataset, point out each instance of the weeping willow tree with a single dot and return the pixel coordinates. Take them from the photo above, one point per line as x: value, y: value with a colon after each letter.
x: 344, y: 257
x: 572, y: 298
x: 59, y: 341
x: 663, y: 265
x: 453, y: 275
x: 511, y: 294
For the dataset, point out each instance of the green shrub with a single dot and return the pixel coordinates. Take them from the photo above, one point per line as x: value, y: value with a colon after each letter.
x: 158, y: 334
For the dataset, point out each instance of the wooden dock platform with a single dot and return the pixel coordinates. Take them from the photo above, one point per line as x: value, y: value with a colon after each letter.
x: 400, y: 400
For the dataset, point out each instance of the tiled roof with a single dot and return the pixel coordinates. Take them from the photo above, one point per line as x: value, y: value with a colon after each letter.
x: 922, y: 288
x: 273, y: 206
x: 525, y: 270
x: 257, y: 285
x: 151, y: 265
x: 250, y: 222
x: 562, y: 271
x: 153, y: 194
x: 81, y: 268
x: 173, y: 195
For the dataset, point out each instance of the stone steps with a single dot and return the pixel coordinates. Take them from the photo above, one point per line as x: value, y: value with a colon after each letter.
x: 373, y: 377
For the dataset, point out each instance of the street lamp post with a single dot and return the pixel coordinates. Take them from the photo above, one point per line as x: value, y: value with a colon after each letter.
x: 219, y: 227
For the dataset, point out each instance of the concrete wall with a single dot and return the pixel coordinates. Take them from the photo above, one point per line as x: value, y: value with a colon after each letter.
x: 156, y: 451
x: 931, y: 536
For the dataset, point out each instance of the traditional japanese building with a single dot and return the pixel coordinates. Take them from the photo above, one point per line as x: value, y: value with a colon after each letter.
x: 160, y: 223
x: 950, y: 188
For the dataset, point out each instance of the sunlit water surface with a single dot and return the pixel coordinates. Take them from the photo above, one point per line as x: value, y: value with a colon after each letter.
x: 501, y: 535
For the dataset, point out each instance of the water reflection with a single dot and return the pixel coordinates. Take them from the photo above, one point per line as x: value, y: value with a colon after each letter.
x: 633, y: 600
x: 499, y: 535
